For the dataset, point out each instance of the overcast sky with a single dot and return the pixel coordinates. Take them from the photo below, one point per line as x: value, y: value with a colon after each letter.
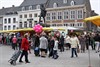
x: 95, y: 4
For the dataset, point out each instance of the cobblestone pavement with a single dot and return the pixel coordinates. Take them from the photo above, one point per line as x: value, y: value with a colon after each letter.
x: 64, y: 59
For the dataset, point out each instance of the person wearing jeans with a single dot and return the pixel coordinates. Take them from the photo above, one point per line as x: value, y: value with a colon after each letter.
x: 74, y: 52
x: 97, y: 46
x: 97, y: 42
x: 55, y: 49
x: 74, y: 43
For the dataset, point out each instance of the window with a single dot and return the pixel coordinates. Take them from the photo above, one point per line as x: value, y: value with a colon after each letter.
x: 38, y: 7
x: 14, y: 27
x: 5, y: 20
x: 71, y: 25
x: 23, y: 8
x: 35, y: 15
x: 20, y: 16
x: 14, y: 20
x: 72, y: 14
x: 80, y: 14
x: 72, y: 3
x: 55, y: 5
x: 25, y: 24
x: 9, y: 20
x: 30, y: 24
x: 66, y: 15
x: 65, y: 24
x: 53, y: 15
x: 59, y: 15
x: 80, y: 24
x: 25, y: 16
x: 30, y: 15
x: 54, y: 25
x: 5, y: 27
x: 30, y: 7
x: 20, y: 25
x: 48, y: 16
x: 9, y: 27
x: 35, y: 22
x: 64, y: 1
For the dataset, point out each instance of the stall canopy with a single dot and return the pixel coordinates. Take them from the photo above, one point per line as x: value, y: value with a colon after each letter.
x: 30, y: 29
x: 93, y: 19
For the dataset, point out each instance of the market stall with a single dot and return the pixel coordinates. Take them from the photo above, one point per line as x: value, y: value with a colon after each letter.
x: 30, y: 30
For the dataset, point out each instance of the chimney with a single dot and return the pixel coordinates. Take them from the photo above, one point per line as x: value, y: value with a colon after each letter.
x: 3, y: 7
x: 13, y: 5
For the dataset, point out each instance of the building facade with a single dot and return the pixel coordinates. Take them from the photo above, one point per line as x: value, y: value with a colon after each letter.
x: 10, y: 22
x: 66, y: 16
x: 9, y: 18
x: 59, y: 13
x: 29, y: 13
x: 68, y: 13
x: 1, y: 24
x: 28, y: 18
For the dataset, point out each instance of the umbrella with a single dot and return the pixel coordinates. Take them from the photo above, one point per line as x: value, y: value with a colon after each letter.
x: 93, y: 19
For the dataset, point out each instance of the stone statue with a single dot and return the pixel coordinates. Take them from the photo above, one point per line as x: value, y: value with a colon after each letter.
x: 43, y: 13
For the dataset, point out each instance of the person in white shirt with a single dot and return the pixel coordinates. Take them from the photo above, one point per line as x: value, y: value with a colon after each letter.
x: 67, y: 41
x: 55, y: 48
x: 74, y: 44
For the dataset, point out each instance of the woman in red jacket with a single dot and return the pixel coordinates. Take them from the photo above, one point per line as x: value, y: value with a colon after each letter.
x: 24, y: 48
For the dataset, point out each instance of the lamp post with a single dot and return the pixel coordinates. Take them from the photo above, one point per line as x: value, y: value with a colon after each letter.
x: 89, y: 44
x: 87, y: 14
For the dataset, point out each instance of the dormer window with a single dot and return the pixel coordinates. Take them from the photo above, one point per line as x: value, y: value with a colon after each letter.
x: 72, y: 3
x: 55, y: 5
x: 65, y: 1
x: 23, y: 8
x: 30, y: 7
x: 38, y: 7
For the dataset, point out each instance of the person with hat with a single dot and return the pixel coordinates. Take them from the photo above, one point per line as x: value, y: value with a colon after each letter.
x: 25, y: 48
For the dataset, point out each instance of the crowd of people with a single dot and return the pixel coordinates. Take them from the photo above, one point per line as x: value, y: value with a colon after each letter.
x: 49, y: 45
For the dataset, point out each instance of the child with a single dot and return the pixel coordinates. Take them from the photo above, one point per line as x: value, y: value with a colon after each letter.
x: 55, y: 56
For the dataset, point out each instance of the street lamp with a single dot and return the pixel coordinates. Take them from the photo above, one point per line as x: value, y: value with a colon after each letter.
x: 87, y: 14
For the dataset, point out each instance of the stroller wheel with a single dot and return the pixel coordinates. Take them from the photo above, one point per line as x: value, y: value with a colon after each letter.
x: 14, y: 62
x: 11, y: 62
